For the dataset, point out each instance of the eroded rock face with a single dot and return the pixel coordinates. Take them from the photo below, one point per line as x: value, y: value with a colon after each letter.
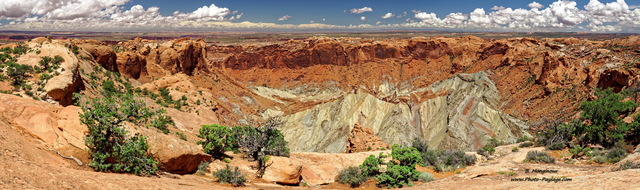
x: 131, y: 64
x: 103, y: 55
x: 463, y: 117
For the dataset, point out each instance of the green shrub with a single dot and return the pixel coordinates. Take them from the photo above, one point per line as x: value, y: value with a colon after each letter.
x: 486, y: 150
x: 371, y: 165
x: 109, y: 145
x: 556, y: 146
x: 203, y: 168
x: 525, y: 144
x: 557, y: 136
x: 515, y: 149
x: 627, y: 165
x: 162, y: 122
x: 18, y: 72
x: 352, y: 176
x: 397, y: 176
x: 605, y: 126
x: 420, y: 145
x: 425, y: 177
x: 182, y: 136
x: 616, y: 154
x: 578, y: 151
x: 523, y: 139
x: 232, y: 176
x: 600, y: 159
x: 217, y: 140
x: 539, y: 157
x: 406, y: 156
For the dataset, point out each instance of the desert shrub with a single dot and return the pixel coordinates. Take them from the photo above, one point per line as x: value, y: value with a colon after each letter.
x: 352, y: 176
x: 556, y: 146
x: 489, y: 148
x: 182, y: 136
x: 525, y: 144
x: 626, y: 165
x: 397, y: 176
x: 203, y: 168
x: 420, y: 145
x: 162, y: 123
x: 217, y: 139
x: 523, y: 139
x: 229, y: 175
x: 18, y: 72
x: 425, y: 177
x: 515, y: 149
x: 371, y: 165
x: 600, y: 159
x: 406, y: 156
x: 556, y: 137
x: 447, y: 160
x: 539, y: 157
x: 578, y: 151
x: 109, y: 145
x: 486, y: 151
x: 616, y: 154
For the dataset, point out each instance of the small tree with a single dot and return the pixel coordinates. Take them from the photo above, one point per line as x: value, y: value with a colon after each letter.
x: 110, y: 147
x: 262, y: 141
x: 217, y: 140
x: 604, y: 126
x: 18, y: 72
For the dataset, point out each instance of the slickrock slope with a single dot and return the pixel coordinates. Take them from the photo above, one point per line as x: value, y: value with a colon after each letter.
x: 462, y: 116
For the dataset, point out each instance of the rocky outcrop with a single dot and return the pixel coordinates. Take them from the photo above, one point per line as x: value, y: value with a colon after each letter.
x: 131, y: 64
x: 102, y: 54
x: 340, y: 52
x: 179, y: 56
x: 56, y: 127
x: 464, y: 117
x: 362, y: 139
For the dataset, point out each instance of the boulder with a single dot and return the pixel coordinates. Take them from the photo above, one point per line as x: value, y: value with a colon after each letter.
x: 173, y: 154
x: 283, y: 171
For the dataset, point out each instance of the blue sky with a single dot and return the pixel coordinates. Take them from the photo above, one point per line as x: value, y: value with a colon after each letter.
x: 305, y: 11
x: 482, y: 15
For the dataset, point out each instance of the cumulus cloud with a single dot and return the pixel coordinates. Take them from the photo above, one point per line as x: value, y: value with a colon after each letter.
x: 58, y: 9
x: 535, y: 5
x: 562, y: 15
x: 388, y: 15
x: 285, y: 17
x: 209, y: 13
x: 495, y: 8
x: 90, y: 14
x: 558, y: 16
x: 361, y: 10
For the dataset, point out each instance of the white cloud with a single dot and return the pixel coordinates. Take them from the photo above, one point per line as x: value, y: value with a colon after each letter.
x: 59, y: 9
x: 210, y: 13
x: 285, y: 17
x: 110, y: 15
x: 495, y: 8
x: 361, y: 10
x: 535, y: 5
x: 388, y: 15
